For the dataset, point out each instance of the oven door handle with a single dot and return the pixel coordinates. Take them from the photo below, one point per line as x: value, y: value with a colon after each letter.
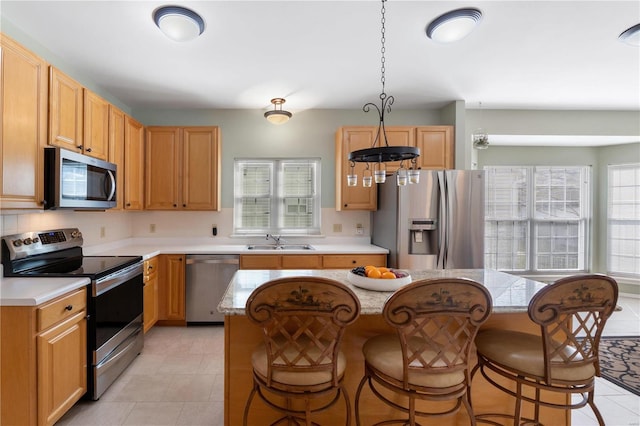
x: 114, y: 280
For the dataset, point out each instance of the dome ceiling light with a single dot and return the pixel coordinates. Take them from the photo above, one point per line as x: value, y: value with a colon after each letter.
x: 380, y: 153
x: 277, y: 115
x: 631, y: 36
x: 178, y: 23
x: 454, y: 25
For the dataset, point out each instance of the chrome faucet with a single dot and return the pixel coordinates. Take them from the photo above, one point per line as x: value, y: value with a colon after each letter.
x: 277, y: 238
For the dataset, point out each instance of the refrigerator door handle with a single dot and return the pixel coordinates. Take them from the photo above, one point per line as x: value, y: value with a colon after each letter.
x: 443, y: 224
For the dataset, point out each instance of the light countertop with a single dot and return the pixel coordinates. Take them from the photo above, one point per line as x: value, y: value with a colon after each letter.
x: 35, y: 291
x: 510, y: 293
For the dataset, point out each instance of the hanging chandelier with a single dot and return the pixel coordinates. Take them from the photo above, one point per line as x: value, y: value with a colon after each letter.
x: 380, y: 152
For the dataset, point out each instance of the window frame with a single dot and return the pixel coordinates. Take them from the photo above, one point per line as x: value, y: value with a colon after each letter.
x: 635, y: 201
x: 533, y: 223
x: 278, y: 197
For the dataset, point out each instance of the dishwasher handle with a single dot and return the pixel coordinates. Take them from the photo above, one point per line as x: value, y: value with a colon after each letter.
x: 192, y: 261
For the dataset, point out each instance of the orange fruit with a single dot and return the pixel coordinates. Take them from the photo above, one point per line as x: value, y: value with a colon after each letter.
x: 373, y: 273
x: 369, y: 267
x: 383, y: 269
x: 388, y: 275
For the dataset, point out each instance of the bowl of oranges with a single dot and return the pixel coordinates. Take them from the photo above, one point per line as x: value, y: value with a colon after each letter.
x: 378, y: 278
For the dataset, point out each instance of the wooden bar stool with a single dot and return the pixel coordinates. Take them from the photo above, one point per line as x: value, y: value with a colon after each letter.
x: 428, y: 357
x: 571, y: 313
x: 303, y: 321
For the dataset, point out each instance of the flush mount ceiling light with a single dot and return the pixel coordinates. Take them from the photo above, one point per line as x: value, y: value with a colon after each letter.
x: 178, y: 23
x: 379, y: 153
x: 631, y: 36
x: 454, y: 25
x: 277, y: 115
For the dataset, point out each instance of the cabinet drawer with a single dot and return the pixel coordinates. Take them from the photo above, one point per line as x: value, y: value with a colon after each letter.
x: 259, y: 261
x: 61, y: 309
x: 342, y: 261
x: 150, y: 268
x: 303, y: 261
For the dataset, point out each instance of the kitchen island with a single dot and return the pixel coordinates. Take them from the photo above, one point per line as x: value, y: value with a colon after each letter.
x: 511, y: 295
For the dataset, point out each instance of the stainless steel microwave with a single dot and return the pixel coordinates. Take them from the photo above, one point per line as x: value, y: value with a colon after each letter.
x: 77, y: 181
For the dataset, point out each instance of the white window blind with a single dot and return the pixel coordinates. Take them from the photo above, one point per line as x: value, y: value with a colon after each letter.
x: 277, y: 196
x: 536, y: 218
x: 623, y: 233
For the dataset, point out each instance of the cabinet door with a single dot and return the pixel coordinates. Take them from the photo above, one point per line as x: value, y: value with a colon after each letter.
x: 96, y: 126
x: 436, y: 147
x: 301, y: 261
x: 133, y: 165
x: 162, y: 162
x: 150, y: 295
x: 171, y: 290
x: 62, y: 368
x: 116, y: 150
x: 353, y: 197
x: 260, y: 261
x: 200, y: 168
x: 23, y: 96
x: 398, y: 136
x: 65, y: 111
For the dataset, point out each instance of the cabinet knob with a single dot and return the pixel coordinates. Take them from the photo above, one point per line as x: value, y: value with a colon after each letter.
x: 79, y: 146
x: 353, y: 261
x: 175, y: 205
x: 68, y: 307
x: 88, y: 149
x: 345, y: 205
x: 128, y: 204
x: 184, y: 205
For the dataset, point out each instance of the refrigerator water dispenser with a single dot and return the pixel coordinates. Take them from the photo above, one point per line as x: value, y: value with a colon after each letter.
x: 423, y: 236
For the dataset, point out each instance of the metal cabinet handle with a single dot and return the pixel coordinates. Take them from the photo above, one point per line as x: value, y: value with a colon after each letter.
x: 79, y: 146
x: 88, y: 149
x: 68, y: 307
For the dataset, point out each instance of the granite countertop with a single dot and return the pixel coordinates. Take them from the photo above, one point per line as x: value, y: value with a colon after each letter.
x: 510, y: 293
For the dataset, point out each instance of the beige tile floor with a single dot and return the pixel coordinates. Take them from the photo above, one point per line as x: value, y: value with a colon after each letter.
x: 178, y: 379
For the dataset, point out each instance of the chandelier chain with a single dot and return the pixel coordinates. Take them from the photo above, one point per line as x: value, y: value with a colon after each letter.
x: 382, y: 50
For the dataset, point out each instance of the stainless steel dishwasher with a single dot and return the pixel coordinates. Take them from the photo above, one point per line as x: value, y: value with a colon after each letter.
x: 208, y: 276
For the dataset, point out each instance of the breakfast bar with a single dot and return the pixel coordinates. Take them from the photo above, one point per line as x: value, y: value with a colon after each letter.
x: 511, y: 295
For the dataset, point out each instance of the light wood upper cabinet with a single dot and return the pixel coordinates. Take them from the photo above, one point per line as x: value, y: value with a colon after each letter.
x: 23, y: 133
x: 65, y: 111
x: 116, y: 150
x: 349, y: 139
x: 96, y: 126
x: 436, y: 152
x: 182, y: 168
x: 133, y: 165
x: 436, y: 147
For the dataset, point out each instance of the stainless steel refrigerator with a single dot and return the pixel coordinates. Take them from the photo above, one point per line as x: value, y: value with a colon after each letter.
x: 437, y: 223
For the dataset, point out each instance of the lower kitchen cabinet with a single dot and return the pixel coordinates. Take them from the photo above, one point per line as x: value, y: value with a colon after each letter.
x: 310, y: 261
x: 171, y: 289
x: 43, y: 359
x: 150, y: 293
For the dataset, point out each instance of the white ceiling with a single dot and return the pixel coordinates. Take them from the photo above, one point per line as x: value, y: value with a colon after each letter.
x: 326, y: 54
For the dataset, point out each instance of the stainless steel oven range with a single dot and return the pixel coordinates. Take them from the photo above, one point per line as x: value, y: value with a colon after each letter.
x: 114, y: 308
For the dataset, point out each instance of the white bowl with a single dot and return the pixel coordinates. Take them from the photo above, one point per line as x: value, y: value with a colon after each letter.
x: 378, y: 284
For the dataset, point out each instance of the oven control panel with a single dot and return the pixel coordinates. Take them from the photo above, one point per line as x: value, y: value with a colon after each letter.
x: 30, y: 243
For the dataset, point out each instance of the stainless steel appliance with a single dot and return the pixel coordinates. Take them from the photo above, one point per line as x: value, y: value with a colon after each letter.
x: 76, y: 181
x: 114, y: 305
x: 437, y: 223
x: 208, y: 276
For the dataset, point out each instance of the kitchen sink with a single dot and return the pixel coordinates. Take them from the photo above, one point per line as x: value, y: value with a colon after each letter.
x: 280, y: 247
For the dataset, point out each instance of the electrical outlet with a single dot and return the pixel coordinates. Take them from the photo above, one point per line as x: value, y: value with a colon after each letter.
x: 152, y: 228
x: 337, y: 227
x: 103, y: 231
x: 359, y: 229
x: 214, y: 230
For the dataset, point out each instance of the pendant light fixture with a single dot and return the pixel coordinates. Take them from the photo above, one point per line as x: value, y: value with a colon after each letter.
x: 380, y: 152
x: 178, y: 23
x: 479, y: 136
x: 277, y: 115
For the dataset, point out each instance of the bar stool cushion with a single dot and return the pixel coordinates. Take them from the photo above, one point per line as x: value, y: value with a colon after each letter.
x: 259, y: 361
x: 524, y: 352
x: 384, y: 353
